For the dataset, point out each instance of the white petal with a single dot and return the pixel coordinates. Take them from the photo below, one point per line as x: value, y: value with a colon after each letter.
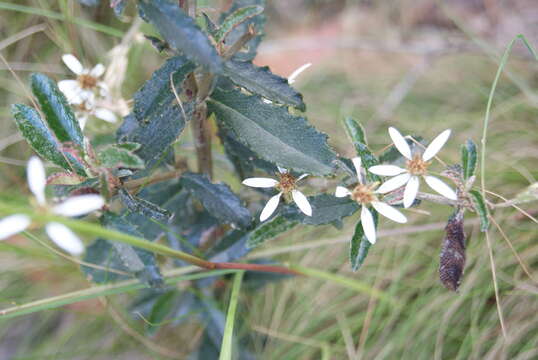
x: 12, y: 225
x: 97, y: 70
x: 389, y: 212
x: 64, y: 238
x: 411, y: 191
x: 301, y: 177
x: 270, y: 207
x: 79, y: 205
x: 106, y: 115
x: 302, y: 202
x: 260, y: 182
x: 394, y: 183
x: 357, y: 164
x: 37, y: 179
x: 439, y: 186
x: 70, y: 88
x: 341, y: 192
x: 368, y: 224
x: 72, y: 63
x: 282, y: 170
x: 82, y: 120
x: 436, y: 145
x: 386, y: 170
x: 400, y: 142
x: 293, y: 75
x: 104, y: 91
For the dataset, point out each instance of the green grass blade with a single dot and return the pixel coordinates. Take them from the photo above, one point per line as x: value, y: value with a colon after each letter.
x: 57, y: 16
x: 227, y: 339
x: 345, y: 282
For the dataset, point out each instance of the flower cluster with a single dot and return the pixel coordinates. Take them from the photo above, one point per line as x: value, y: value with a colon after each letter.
x: 59, y: 233
x: 87, y: 92
x: 368, y: 194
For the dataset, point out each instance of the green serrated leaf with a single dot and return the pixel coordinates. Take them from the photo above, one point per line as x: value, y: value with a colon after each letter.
x: 41, y: 139
x: 360, y: 245
x: 273, y: 133
x: 217, y: 199
x: 468, y: 159
x: 269, y: 230
x: 58, y: 114
x: 481, y: 208
x: 143, y: 207
x: 181, y: 32
x: 261, y: 81
x: 157, y: 118
x: 325, y: 210
x: 234, y: 19
x: 243, y: 159
x: 358, y: 138
x: 117, y: 156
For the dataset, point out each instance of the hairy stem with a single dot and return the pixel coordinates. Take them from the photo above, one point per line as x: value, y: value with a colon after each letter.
x: 201, y: 132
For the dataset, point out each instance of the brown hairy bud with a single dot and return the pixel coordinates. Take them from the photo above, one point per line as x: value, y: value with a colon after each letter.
x: 452, y: 257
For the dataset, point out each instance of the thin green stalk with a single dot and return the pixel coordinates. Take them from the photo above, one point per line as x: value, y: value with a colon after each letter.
x: 86, y: 228
x: 57, y: 16
x: 171, y: 278
x: 502, y: 64
x: 227, y: 338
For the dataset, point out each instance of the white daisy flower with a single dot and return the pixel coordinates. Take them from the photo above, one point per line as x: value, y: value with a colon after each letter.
x: 59, y: 233
x: 416, y: 166
x: 287, y: 185
x: 87, y: 84
x: 88, y: 108
x: 365, y: 195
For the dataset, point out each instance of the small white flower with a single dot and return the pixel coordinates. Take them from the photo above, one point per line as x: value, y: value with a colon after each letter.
x: 88, y: 108
x: 87, y: 84
x: 59, y: 233
x: 365, y: 195
x: 416, y: 166
x: 287, y: 185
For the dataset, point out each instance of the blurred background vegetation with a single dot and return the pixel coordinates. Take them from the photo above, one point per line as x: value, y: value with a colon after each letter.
x: 421, y: 66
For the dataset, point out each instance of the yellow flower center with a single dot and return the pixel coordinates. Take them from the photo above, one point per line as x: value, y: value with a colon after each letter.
x: 286, y: 183
x: 364, y: 194
x: 417, y: 166
x: 87, y: 81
